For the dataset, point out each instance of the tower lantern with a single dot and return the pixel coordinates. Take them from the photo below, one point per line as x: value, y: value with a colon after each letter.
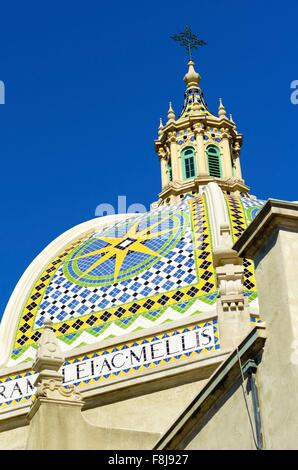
x: 197, y: 146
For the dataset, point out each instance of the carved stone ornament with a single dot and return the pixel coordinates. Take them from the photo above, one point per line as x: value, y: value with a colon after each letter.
x: 48, y: 362
x: 230, y: 271
x: 52, y: 389
x: 232, y: 180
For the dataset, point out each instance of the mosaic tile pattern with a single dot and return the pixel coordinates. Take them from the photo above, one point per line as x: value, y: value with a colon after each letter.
x: 165, y: 267
x: 192, y: 96
x: 241, y: 210
x: 116, y: 328
x: 171, y: 268
x: 27, y: 392
x: 251, y: 207
x: 159, y: 336
x: 118, y: 255
x: 213, y: 135
x: 255, y: 319
x: 28, y: 395
x: 180, y: 273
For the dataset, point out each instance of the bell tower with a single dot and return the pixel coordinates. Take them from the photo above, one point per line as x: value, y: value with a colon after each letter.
x: 198, y: 147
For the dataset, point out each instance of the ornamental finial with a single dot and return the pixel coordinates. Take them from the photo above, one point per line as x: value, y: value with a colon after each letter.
x: 192, y: 78
x: 171, y: 114
x: 160, y: 128
x: 221, y: 109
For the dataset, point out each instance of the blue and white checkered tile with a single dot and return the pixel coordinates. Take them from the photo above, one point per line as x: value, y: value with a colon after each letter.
x: 180, y: 205
x: 247, y: 202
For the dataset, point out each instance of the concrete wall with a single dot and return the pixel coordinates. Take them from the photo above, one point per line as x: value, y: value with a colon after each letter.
x: 154, y: 411
x: 136, y: 423
x: 277, y: 275
x: 226, y: 426
x: 209, y: 414
x: 14, y: 439
x: 56, y: 426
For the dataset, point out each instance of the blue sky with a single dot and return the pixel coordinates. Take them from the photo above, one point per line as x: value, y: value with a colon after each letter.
x: 86, y: 83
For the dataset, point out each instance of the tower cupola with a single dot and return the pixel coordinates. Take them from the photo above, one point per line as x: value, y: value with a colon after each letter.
x: 198, y: 147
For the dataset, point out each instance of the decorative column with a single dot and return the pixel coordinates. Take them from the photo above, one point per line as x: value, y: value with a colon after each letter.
x: 55, y: 416
x: 236, y: 159
x: 175, y: 160
x: 233, y: 315
x: 55, y: 420
x: 201, y: 154
x: 164, y: 169
x: 227, y: 157
x: 48, y: 362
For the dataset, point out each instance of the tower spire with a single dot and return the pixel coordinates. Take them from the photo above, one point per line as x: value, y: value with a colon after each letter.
x: 196, y: 147
x: 193, y: 98
x: 221, y: 109
x: 171, y: 114
x: 160, y: 127
x: 190, y: 41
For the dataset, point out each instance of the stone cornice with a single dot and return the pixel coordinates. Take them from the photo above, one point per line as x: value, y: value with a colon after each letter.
x: 275, y: 215
x: 230, y: 184
x: 207, y: 120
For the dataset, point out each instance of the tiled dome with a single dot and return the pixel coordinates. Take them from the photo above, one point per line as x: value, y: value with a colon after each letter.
x: 143, y: 270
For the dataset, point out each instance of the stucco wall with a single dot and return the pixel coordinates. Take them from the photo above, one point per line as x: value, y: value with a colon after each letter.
x: 57, y: 426
x: 226, y: 426
x: 136, y: 423
x: 14, y: 439
x: 154, y: 411
x: 277, y: 274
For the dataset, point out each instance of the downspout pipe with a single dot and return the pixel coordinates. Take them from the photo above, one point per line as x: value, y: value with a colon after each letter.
x: 250, y: 368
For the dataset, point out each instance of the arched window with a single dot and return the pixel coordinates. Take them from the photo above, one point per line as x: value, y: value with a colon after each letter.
x: 214, y: 163
x: 188, y: 163
x: 170, y: 173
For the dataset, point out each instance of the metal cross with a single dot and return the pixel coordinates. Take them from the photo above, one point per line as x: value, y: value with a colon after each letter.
x: 189, y: 40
